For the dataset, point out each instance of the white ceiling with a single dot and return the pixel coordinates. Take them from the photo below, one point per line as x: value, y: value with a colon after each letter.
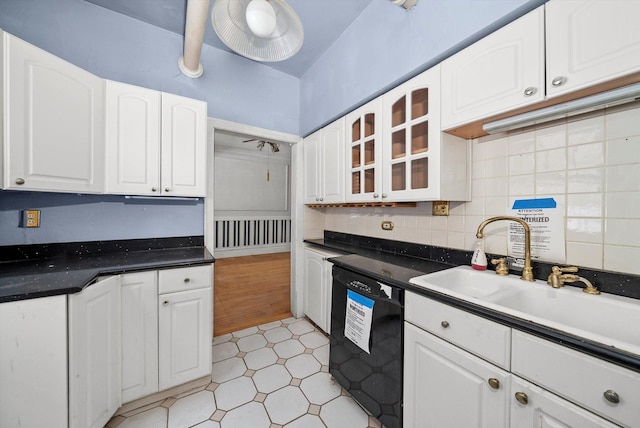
x: 323, y: 22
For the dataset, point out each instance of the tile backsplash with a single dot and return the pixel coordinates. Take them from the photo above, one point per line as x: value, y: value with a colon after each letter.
x: 589, y: 164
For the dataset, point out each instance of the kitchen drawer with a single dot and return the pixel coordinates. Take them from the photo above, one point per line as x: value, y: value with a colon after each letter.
x: 578, y: 377
x: 487, y: 339
x: 181, y: 279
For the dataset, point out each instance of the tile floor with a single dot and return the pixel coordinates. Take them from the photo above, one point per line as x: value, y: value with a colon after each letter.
x: 273, y: 375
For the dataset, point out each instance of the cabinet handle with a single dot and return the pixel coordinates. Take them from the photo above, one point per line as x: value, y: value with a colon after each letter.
x: 522, y: 398
x: 166, y: 189
x: 187, y: 280
x: 559, y: 81
x: 324, y: 259
x: 494, y: 383
x: 530, y: 91
x: 444, y: 324
x: 19, y: 181
x: 165, y: 303
x: 154, y: 189
x: 375, y: 195
x: 611, y: 396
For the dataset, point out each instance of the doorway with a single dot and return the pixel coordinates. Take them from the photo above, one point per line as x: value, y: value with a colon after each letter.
x: 252, y: 231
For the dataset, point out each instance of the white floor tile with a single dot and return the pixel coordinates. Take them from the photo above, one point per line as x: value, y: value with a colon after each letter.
x: 251, y: 343
x: 344, y: 412
x: 224, y: 351
x: 314, y: 340
x: 320, y: 388
x: 288, y: 348
x: 260, y: 358
x: 302, y: 366
x: 322, y: 355
x: 251, y: 415
x: 234, y: 393
x: 286, y: 404
x: 207, y: 424
x: 228, y: 369
x: 245, y: 332
x: 156, y: 417
x: 306, y: 421
x: 224, y: 338
x: 301, y: 327
x: 271, y: 378
x: 278, y: 334
x: 191, y: 410
x: 269, y: 325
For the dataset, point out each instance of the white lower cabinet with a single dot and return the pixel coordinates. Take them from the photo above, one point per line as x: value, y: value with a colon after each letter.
x: 538, y: 408
x: 317, y: 287
x: 139, y: 335
x: 449, y: 381
x: 445, y: 386
x: 94, y: 354
x: 33, y: 363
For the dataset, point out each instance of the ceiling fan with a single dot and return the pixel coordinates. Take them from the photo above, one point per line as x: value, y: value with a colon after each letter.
x: 275, y: 147
x: 262, y: 30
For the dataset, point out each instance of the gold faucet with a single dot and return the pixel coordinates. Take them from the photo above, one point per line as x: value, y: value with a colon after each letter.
x: 527, y: 271
x: 557, y: 278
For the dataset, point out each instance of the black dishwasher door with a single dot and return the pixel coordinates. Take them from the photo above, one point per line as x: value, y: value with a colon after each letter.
x: 374, y: 379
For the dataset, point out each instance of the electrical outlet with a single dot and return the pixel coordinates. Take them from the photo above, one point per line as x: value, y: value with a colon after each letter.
x: 440, y: 208
x: 387, y: 225
x: 31, y: 218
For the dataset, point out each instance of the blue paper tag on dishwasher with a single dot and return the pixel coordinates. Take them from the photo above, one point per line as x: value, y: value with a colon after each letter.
x: 358, y: 318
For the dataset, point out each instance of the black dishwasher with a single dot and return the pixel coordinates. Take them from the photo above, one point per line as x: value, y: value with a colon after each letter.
x: 366, y: 341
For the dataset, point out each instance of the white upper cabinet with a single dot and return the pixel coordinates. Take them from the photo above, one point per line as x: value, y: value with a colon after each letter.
x: 133, y: 139
x: 419, y: 163
x: 156, y: 142
x: 364, y: 153
x: 184, y: 146
x: 590, y: 41
x: 324, y: 165
x: 54, y: 122
x: 500, y: 72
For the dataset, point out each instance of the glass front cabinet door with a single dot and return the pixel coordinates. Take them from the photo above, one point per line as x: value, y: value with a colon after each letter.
x: 364, y: 153
x: 411, y: 133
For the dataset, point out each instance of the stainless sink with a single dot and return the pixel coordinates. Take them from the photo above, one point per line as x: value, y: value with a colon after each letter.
x: 608, y: 319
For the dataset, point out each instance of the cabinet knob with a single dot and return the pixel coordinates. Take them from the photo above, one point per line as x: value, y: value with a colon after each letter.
x: 384, y: 195
x: 20, y: 181
x: 166, y: 189
x: 375, y: 195
x: 317, y: 199
x: 321, y: 199
x: 522, y: 398
x: 154, y: 189
x: 165, y: 303
x: 611, y: 396
x: 187, y: 280
x: 559, y: 81
x: 444, y: 324
x: 530, y: 91
x: 494, y: 383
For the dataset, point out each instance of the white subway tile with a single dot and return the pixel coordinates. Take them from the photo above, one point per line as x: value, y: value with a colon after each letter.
x: 585, y: 180
x: 623, y: 205
x: 496, y: 167
x: 496, y: 148
x: 623, y: 151
x: 475, y: 207
x: 439, y: 222
x: 551, y: 160
x: 582, y: 254
x: 551, y: 182
x: 495, y: 244
x: 623, y: 122
x: 455, y: 223
x: 623, y: 178
x: 584, y: 230
x: 586, y: 129
x: 522, y: 164
x: 477, y: 150
x: 439, y: 238
x: 585, y: 205
x: 522, y: 186
x: 622, y: 232
x: 496, y: 205
x: 478, y: 169
x: 496, y: 186
x: 522, y: 142
x: 477, y: 188
x: 551, y: 137
x: 585, y: 156
x: 622, y: 259
x: 457, y: 208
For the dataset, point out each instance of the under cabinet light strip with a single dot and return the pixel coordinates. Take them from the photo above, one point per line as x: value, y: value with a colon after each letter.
x: 623, y: 95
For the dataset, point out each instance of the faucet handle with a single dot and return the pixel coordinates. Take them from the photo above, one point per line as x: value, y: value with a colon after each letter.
x: 557, y: 269
x: 501, y: 266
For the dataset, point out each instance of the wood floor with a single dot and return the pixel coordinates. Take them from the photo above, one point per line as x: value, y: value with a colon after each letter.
x: 250, y: 290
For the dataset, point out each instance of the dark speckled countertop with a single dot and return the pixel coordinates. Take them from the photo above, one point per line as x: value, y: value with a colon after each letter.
x: 28, y: 272
x: 395, y: 263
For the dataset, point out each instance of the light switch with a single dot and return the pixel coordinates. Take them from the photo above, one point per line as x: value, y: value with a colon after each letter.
x: 31, y: 218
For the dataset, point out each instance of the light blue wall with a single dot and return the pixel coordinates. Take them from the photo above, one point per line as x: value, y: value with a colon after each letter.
x: 79, y: 218
x: 386, y: 45
x: 116, y: 47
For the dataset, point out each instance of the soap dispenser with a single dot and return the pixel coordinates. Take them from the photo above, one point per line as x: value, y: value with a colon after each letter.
x: 479, y: 258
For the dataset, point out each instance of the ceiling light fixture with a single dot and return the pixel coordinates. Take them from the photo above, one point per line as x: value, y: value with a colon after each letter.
x: 261, y: 30
x: 599, y: 101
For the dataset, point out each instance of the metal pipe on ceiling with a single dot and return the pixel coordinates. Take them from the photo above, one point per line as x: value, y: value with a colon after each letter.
x: 196, y: 22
